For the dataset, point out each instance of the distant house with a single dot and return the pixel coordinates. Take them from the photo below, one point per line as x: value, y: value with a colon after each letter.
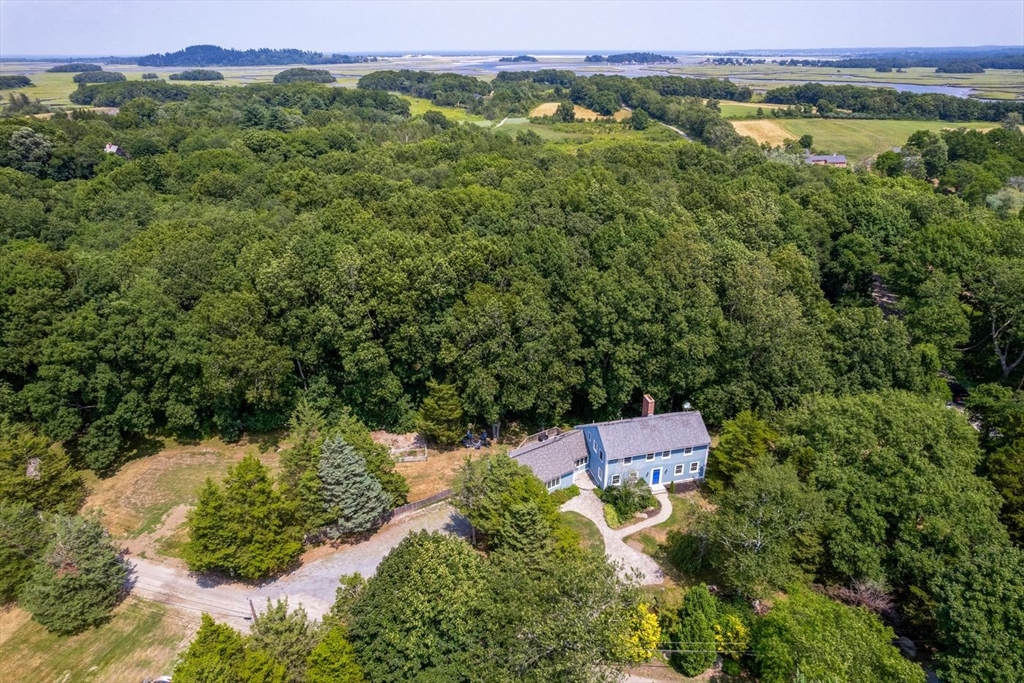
x: 671, y: 447
x: 837, y: 160
x: 114, y: 149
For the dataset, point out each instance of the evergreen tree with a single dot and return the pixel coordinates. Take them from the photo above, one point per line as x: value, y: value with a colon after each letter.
x: 34, y: 473
x: 286, y: 636
x: 22, y: 538
x: 213, y: 656
x: 693, y: 640
x: 353, y: 498
x: 526, y: 530
x: 79, y: 580
x: 440, y: 415
x: 333, y: 660
x: 246, y: 530
x: 744, y: 440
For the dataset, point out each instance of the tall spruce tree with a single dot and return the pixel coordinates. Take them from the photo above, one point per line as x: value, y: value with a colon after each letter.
x: 22, y: 539
x: 693, y: 641
x: 440, y: 415
x: 354, y: 499
x: 246, y: 530
x: 79, y: 580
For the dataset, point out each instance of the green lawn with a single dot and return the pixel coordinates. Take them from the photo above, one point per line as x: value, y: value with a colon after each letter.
x: 684, y: 507
x: 141, y: 639
x: 858, y: 139
x: 587, y: 530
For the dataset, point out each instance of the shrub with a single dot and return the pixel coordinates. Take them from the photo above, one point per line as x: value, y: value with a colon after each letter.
x: 563, y: 496
x: 611, y: 517
x: 98, y: 77
x: 630, y: 498
x: 150, y: 76
x: 197, y: 75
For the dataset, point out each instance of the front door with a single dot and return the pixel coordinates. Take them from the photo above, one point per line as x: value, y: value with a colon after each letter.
x: 655, y: 477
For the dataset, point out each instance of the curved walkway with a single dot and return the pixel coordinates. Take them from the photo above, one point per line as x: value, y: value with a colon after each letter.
x: 631, y: 559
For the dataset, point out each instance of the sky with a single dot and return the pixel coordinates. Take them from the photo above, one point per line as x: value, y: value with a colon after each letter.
x: 136, y: 27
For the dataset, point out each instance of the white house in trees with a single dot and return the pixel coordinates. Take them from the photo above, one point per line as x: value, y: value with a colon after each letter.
x: 671, y: 447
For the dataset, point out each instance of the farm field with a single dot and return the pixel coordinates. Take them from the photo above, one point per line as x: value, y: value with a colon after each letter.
x: 142, y: 639
x: 858, y: 139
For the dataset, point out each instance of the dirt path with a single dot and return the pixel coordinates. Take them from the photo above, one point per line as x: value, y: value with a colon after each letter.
x: 685, y: 136
x: 312, y: 585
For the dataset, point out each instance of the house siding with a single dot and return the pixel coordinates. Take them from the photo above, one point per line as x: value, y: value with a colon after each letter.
x: 596, y: 462
x: 644, y: 468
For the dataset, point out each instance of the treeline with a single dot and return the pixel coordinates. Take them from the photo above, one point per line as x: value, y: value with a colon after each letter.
x: 304, y: 96
x: 631, y: 58
x: 213, y: 55
x: 518, y: 58
x: 193, y: 75
x: 98, y: 77
x: 9, y: 82
x: 885, y: 103
x: 944, y: 61
x: 443, y: 89
x: 302, y: 75
x: 74, y: 67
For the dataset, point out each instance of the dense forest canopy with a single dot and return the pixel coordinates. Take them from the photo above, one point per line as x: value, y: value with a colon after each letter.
x: 944, y: 60
x: 74, y: 67
x: 213, y: 55
x: 14, y: 82
x: 632, y: 58
x: 195, y: 75
x: 270, y: 242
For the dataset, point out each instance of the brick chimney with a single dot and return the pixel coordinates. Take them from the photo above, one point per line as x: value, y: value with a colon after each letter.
x: 648, y: 407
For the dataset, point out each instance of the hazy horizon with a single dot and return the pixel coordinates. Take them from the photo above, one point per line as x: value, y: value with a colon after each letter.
x: 95, y: 28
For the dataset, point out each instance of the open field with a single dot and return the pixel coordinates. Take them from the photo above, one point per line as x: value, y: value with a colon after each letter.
x: 684, y: 507
x: 858, y: 139
x: 745, y: 110
x: 142, y: 639
x: 144, y: 504
x: 582, y: 113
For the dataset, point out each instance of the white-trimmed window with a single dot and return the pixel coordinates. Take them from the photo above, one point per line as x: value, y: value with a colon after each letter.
x: 580, y: 462
x: 616, y: 479
x: 633, y: 476
x: 600, y: 456
x: 650, y: 456
x: 687, y: 451
x: 694, y: 466
x: 679, y: 469
x: 665, y: 455
x: 552, y: 483
x: 626, y: 461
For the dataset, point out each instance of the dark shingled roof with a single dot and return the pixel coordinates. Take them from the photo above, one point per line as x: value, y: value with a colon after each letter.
x: 640, y: 435
x: 554, y: 457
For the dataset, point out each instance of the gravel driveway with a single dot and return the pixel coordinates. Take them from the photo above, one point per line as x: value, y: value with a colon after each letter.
x: 312, y: 585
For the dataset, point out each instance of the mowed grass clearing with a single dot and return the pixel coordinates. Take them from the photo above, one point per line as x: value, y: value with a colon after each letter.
x: 142, y: 639
x: 588, y: 531
x: 145, y: 502
x: 419, y: 106
x: 858, y: 139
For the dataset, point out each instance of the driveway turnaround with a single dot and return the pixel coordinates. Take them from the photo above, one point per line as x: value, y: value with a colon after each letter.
x: 313, y: 585
x: 630, y: 559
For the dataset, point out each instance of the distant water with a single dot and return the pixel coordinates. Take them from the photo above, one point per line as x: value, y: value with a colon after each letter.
x: 634, y: 70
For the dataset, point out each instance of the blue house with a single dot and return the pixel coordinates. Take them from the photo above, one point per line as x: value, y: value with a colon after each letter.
x: 671, y: 447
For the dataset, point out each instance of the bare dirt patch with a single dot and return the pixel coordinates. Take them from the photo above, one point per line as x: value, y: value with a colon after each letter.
x: 437, y: 472
x: 582, y: 113
x: 138, y: 499
x: 763, y: 131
